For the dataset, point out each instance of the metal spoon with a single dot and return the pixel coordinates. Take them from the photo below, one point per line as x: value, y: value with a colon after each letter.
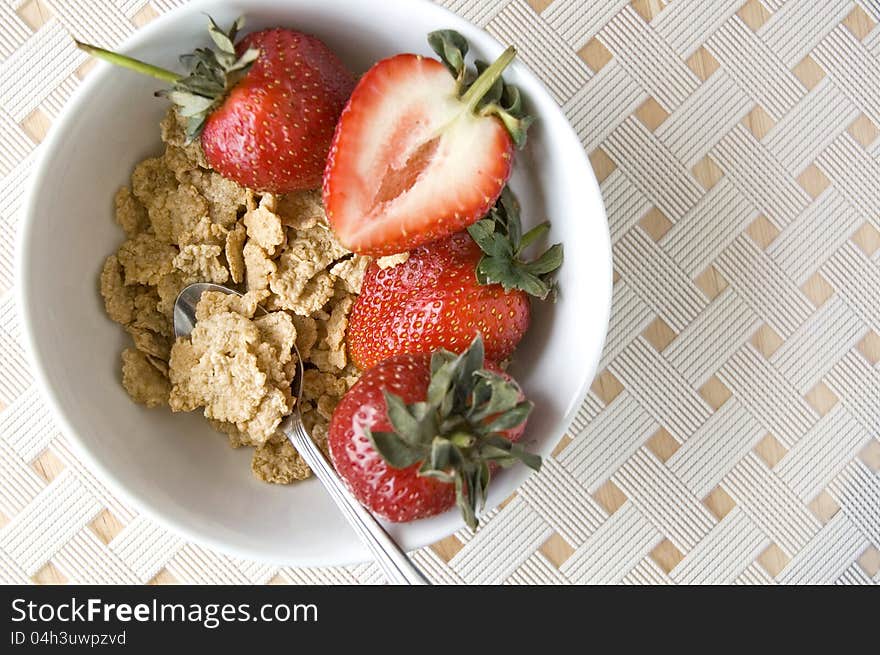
x: 398, y: 568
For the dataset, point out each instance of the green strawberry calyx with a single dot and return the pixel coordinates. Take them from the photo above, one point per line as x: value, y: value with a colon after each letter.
x: 484, y: 91
x: 457, y: 431
x: 211, y: 74
x: 499, y: 235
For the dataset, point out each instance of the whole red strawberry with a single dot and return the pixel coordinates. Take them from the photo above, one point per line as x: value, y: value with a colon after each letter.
x: 410, y: 444
x: 450, y: 290
x: 265, y: 109
x: 433, y: 300
x: 273, y: 130
x: 420, y: 153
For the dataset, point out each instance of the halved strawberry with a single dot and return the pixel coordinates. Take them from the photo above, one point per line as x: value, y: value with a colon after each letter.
x: 419, y: 154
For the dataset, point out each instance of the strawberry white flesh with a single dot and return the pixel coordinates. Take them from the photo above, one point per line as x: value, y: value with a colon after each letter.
x: 411, y: 162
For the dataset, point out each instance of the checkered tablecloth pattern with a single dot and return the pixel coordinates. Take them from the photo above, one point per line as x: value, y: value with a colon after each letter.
x: 731, y: 435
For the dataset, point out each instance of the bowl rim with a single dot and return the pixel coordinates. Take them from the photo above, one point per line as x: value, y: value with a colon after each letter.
x: 116, y: 483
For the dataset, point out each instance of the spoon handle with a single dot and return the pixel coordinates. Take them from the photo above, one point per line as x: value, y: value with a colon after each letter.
x: 398, y: 568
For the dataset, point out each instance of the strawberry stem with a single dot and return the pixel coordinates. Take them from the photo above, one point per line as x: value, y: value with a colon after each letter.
x: 499, y: 235
x: 460, y: 428
x: 128, y: 62
x: 484, y: 82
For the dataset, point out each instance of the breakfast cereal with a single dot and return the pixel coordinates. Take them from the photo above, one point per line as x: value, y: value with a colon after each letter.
x: 300, y: 281
x: 226, y: 199
x: 183, y: 210
x: 118, y: 298
x: 330, y: 353
x: 351, y: 272
x: 168, y: 289
x: 203, y: 231
x: 277, y: 461
x: 301, y: 209
x: 147, y: 314
x: 257, y: 265
x: 264, y: 227
x: 203, y: 262
x: 234, y: 251
x: 184, y: 223
x: 145, y: 259
x: 306, y: 334
x: 226, y: 365
x: 144, y: 382
x: 390, y: 261
x: 171, y: 127
x: 130, y: 213
x: 150, y: 343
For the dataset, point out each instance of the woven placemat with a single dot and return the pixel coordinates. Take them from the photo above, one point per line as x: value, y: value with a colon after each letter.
x: 732, y: 432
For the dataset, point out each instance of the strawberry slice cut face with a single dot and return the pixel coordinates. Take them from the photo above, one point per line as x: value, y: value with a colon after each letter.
x: 413, y: 158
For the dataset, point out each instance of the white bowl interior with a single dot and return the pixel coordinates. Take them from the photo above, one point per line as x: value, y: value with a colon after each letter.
x: 174, y: 467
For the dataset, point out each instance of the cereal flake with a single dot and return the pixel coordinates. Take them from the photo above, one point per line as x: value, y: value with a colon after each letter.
x: 151, y: 343
x: 130, y: 213
x: 202, y: 232
x: 351, y: 272
x: 145, y: 259
x: 118, y: 298
x: 143, y: 382
x: 306, y: 334
x: 185, y: 208
x: 265, y: 229
x: 216, y: 369
x: 390, y: 261
x: 202, y: 262
x: 300, y: 282
x: 146, y: 312
x: 330, y: 353
x: 259, y: 269
x: 217, y: 302
x: 301, y: 209
x: 277, y: 461
x: 226, y: 198
x: 169, y: 288
x: 234, y: 251
x: 173, y: 133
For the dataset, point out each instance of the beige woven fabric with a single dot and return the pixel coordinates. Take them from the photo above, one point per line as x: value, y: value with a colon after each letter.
x: 732, y: 434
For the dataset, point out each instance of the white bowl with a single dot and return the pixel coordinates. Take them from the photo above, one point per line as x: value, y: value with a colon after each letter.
x: 173, y: 467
